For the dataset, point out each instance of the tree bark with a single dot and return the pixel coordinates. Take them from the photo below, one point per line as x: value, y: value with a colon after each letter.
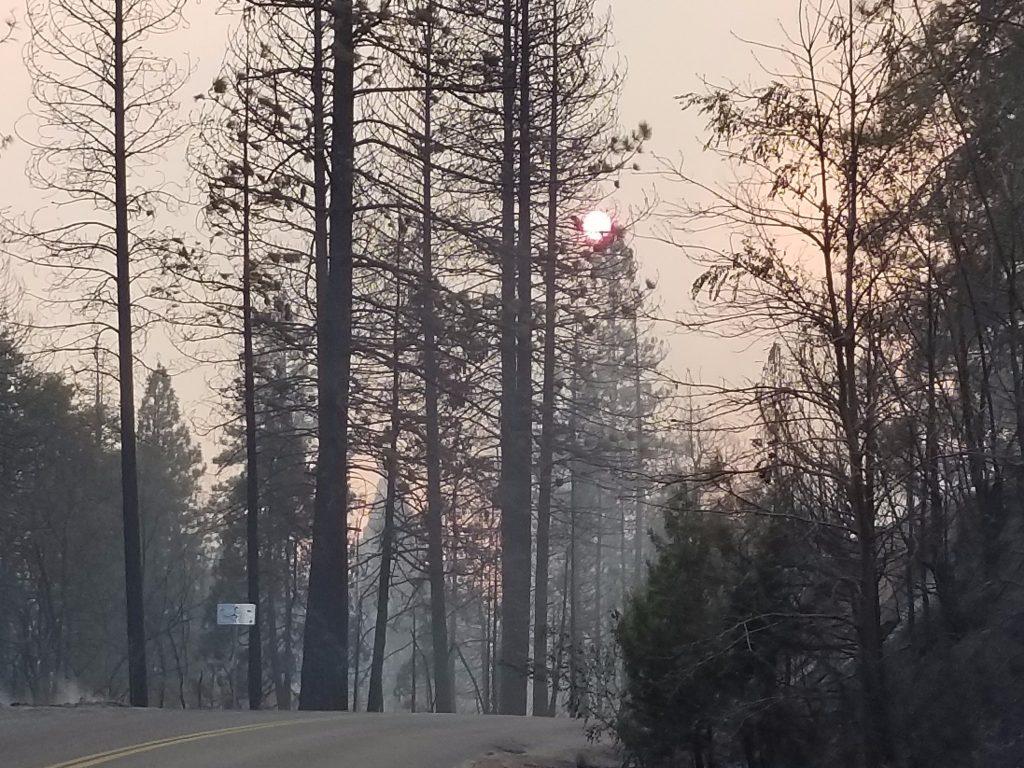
x: 415, y: 652
x: 598, y: 512
x: 516, y: 523
x: 547, y: 439
x: 252, y: 487
x: 325, y: 641
x: 508, y: 676
x: 556, y: 671
x: 877, y: 741
x: 574, y: 586
x: 444, y: 700
x: 375, y: 694
x: 138, y: 694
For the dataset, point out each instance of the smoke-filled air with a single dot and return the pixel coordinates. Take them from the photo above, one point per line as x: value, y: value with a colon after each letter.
x: 512, y: 384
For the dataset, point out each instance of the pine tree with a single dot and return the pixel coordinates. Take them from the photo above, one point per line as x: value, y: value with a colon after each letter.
x: 170, y: 468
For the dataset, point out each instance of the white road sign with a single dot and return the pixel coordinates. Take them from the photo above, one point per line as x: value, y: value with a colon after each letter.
x: 234, y: 614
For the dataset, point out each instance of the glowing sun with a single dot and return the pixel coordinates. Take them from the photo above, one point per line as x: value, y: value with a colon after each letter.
x: 597, y: 225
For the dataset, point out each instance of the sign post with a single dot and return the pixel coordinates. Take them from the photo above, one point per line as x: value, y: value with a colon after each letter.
x: 235, y: 615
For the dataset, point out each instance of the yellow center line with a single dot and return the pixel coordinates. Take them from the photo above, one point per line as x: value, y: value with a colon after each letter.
x: 87, y: 761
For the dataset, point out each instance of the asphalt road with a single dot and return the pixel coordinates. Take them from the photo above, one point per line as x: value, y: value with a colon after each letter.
x: 91, y: 737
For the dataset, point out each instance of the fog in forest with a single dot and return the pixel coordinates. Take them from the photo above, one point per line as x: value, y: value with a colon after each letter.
x: 652, y: 370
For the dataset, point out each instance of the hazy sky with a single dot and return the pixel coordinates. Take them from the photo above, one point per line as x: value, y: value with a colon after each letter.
x: 665, y: 45
x: 668, y: 47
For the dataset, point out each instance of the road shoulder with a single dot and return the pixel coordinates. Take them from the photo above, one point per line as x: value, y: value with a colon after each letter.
x: 588, y: 757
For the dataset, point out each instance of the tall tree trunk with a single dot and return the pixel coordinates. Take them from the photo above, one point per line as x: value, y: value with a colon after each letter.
x: 375, y: 695
x: 623, y: 559
x: 934, y: 523
x: 444, y: 693
x: 911, y: 556
x: 547, y: 436
x: 877, y: 741
x: 252, y: 487
x: 274, y: 643
x: 560, y: 652
x: 598, y: 511
x: 516, y: 523
x: 325, y: 642
x: 506, y: 677
x: 415, y: 653
x: 138, y: 693
x: 161, y: 695
x: 574, y: 585
x: 289, y: 624
x: 357, y: 652
x: 495, y: 616
x: 485, y: 654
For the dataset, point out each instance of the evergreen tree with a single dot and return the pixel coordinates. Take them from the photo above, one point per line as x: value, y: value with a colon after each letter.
x: 60, y: 557
x: 170, y: 468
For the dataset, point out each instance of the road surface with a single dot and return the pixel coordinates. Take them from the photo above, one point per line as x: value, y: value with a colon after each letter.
x: 97, y: 737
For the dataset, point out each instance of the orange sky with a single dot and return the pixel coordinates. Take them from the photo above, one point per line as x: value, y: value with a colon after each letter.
x: 666, y: 46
